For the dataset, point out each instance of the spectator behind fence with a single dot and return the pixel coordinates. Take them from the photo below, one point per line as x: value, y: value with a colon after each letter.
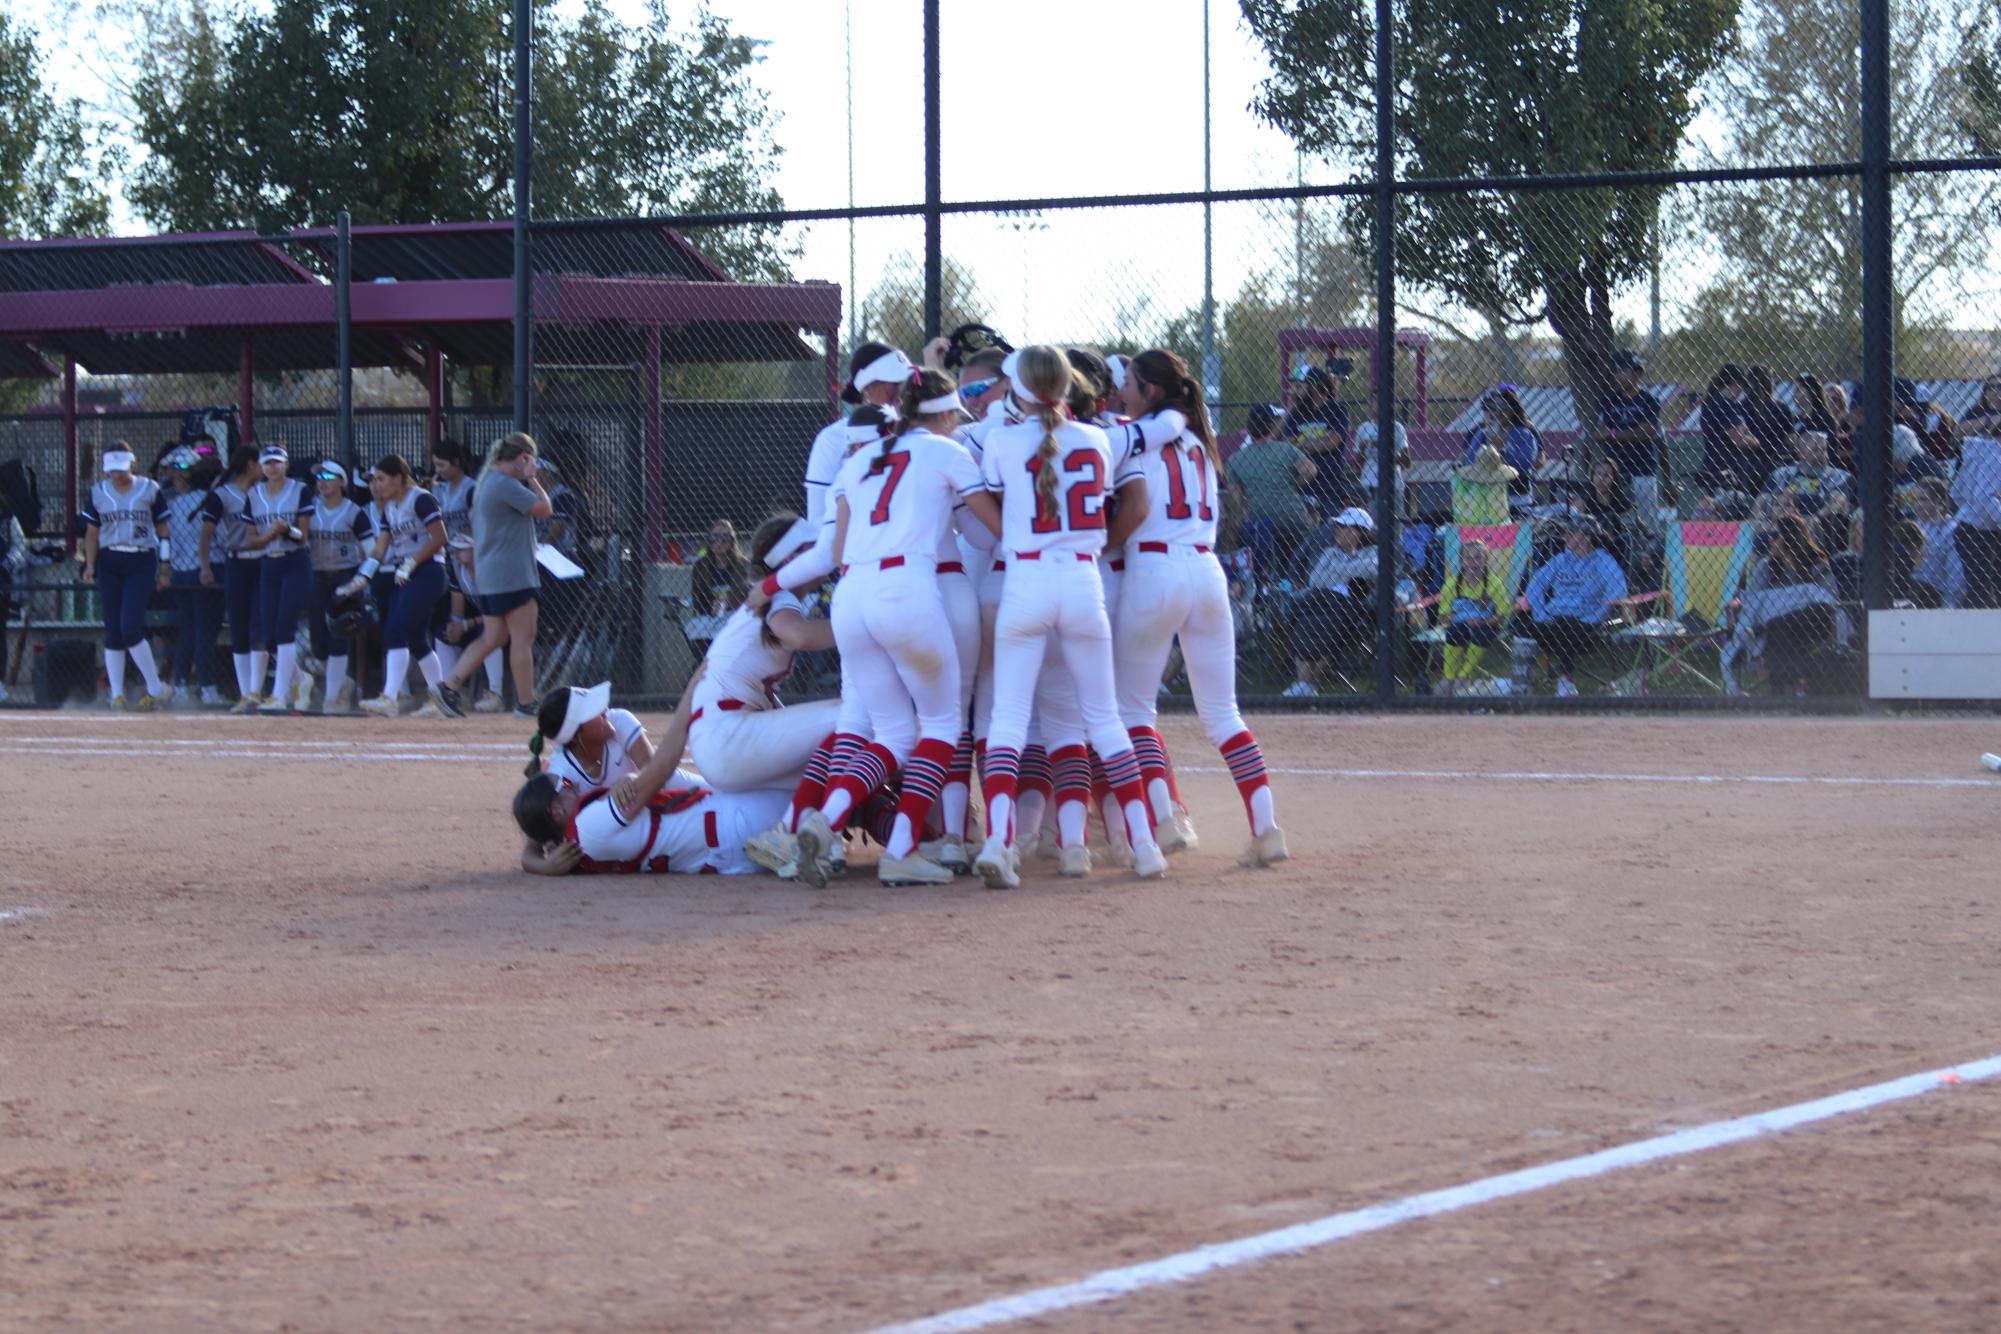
x: 1608, y: 502
x: 720, y: 579
x: 1773, y: 424
x: 1939, y: 435
x: 1734, y: 465
x: 1570, y: 597
x: 1907, y: 542
x: 1629, y: 432
x: 1334, y: 613
x: 1811, y: 480
x: 506, y: 504
x: 197, y: 609
x: 1910, y: 464
x: 1271, y: 476
x: 1824, y: 408
x: 1939, y: 573
x: 1984, y: 417
x: 1474, y: 608
x: 1365, y: 456
x: 1505, y: 426
x: 1790, y: 605
x: 1976, y: 490
x: 1317, y: 423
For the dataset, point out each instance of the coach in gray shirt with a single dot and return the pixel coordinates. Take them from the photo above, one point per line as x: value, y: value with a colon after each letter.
x: 505, y: 504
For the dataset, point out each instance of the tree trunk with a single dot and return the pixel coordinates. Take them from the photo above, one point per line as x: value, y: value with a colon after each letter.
x: 1580, y: 311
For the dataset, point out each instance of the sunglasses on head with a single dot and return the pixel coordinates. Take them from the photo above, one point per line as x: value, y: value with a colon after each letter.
x: 974, y: 388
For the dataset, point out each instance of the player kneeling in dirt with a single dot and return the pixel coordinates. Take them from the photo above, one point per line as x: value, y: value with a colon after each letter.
x: 681, y: 828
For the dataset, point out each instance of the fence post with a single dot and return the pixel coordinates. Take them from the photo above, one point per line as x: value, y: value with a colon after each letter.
x: 72, y: 471
x: 1384, y: 369
x: 344, y: 339
x: 1872, y: 449
x: 934, y: 240
x: 524, y: 163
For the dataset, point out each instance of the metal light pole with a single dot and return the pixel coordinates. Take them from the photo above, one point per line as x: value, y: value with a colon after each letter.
x: 524, y: 163
x: 1212, y: 371
x: 1387, y: 500
x: 344, y: 338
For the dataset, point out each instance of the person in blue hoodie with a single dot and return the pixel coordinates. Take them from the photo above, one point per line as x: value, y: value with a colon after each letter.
x: 1570, y: 597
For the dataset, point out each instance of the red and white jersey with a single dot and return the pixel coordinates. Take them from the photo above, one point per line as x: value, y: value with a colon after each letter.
x: 742, y: 666
x: 823, y: 463
x: 901, y: 496
x: 1083, y: 463
x: 1128, y: 439
x: 1181, y: 504
x: 676, y: 831
x: 568, y: 770
x: 1003, y: 411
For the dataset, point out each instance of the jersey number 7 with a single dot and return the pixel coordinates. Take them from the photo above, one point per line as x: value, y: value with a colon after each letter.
x: 1085, y: 497
x: 894, y: 466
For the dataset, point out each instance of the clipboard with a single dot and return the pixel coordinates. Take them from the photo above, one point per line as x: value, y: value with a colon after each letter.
x: 556, y: 563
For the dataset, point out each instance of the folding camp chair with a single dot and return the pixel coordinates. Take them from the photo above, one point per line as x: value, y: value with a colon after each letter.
x: 1511, y: 542
x: 1705, y: 563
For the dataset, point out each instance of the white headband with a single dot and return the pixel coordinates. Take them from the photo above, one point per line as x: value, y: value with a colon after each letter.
x: 1117, y: 365
x: 862, y: 435
x: 118, y: 460
x: 944, y: 403
x: 892, y: 367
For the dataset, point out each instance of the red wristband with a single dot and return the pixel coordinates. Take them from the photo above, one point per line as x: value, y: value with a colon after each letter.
x: 770, y: 585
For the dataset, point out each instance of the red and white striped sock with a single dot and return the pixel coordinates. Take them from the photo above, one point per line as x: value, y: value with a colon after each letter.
x: 1247, y: 769
x: 1151, y: 752
x: 812, y: 789
x: 923, y: 778
x: 1122, y: 772
x: 1000, y: 772
x: 1072, y: 769
x: 868, y: 770
x: 958, y: 793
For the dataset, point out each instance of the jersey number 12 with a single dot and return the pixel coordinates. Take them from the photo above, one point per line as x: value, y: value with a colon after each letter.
x: 1085, y: 497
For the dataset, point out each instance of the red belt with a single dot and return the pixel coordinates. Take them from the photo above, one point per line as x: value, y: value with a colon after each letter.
x: 1160, y: 548
x: 886, y: 563
x: 951, y: 567
x: 726, y: 705
x: 1037, y: 555
x: 1118, y: 567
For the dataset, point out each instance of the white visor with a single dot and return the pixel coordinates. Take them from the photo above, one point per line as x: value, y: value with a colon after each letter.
x: 1116, y: 364
x: 118, y: 460
x: 586, y: 703
x: 892, y: 367
x: 797, y: 538
x: 1010, y: 369
x: 943, y: 403
x: 272, y: 454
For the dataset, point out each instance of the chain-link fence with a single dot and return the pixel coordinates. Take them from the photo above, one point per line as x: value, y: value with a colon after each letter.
x: 1640, y: 447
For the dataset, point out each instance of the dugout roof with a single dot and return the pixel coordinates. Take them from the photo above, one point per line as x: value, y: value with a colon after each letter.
x: 212, y: 302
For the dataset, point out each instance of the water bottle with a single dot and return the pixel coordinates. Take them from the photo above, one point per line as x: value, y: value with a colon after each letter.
x: 1523, y: 650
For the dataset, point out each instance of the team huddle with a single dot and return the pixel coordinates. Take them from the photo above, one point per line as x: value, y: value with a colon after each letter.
x: 1017, y: 551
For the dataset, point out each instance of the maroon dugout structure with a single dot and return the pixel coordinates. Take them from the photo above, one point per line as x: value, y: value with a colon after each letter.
x: 636, y: 295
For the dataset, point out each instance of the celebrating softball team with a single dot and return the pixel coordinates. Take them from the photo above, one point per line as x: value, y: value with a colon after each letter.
x: 967, y: 527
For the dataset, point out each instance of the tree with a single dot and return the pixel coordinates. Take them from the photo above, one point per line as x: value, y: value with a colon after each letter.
x: 49, y: 183
x: 1791, y: 250
x: 893, y: 311
x: 1507, y: 88
x: 400, y: 111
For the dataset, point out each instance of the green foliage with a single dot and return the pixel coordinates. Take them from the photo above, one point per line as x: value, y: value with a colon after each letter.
x: 1505, y: 88
x: 51, y: 182
x: 893, y: 311
x: 400, y: 111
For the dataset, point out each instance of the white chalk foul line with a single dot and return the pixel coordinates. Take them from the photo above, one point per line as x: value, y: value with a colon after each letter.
x: 107, y: 743
x: 228, y: 751
x: 1543, y: 776
x: 1115, y: 1283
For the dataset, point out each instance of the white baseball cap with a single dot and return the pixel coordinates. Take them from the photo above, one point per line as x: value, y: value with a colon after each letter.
x: 586, y: 703
x: 1355, y: 517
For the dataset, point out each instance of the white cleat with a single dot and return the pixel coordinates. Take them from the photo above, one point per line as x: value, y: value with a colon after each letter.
x: 911, y: 870
x: 1074, y: 862
x: 1046, y: 846
x: 776, y: 851
x: 1992, y: 762
x: 1149, y: 863
x: 949, y: 853
x: 430, y: 709
x: 1265, y: 849
x: 1177, y: 832
x: 381, y: 706
x: 996, y: 865
x: 815, y: 840
x: 487, y: 703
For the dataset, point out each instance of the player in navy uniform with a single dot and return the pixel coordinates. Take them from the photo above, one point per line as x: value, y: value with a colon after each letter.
x: 412, y: 544
x: 341, y: 534
x: 280, y: 514
x: 225, y: 532
x: 124, y: 538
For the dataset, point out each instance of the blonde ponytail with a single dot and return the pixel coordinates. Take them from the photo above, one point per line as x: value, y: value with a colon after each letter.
x: 1045, y: 373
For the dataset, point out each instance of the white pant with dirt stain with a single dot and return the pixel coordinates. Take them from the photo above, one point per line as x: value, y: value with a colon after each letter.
x: 899, y: 653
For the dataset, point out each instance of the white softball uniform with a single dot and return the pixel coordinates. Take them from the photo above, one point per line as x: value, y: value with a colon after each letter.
x: 1174, y: 586
x: 1049, y: 557
x: 568, y: 770
x: 1128, y: 440
x: 739, y: 733
x: 898, y: 651
x: 686, y: 829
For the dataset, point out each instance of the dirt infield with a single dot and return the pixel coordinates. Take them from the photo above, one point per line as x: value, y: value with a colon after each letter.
x: 285, y: 1042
